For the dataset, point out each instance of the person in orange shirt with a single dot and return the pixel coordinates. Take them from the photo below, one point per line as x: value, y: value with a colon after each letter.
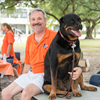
x: 7, y: 47
x: 32, y: 78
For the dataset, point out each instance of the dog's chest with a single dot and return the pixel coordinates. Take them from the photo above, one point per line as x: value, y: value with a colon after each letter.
x: 67, y: 57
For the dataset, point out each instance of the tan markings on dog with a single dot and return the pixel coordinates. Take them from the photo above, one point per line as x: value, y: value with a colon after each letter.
x: 52, y: 81
x: 58, y: 91
x: 47, y: 87
x: 53, y: 88
x: 84, y: 87
x: 66, y: 28
x: 72, y: 38
x: 61, y: 57
x: 74, y: 90
x: 73, y: 19
x: 78, y: 56
x: 77, y: 81
x: 78, y: 18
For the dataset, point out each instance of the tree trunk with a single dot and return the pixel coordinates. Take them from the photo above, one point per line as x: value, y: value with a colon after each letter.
x: 94, y: 32
x: 89, y: 32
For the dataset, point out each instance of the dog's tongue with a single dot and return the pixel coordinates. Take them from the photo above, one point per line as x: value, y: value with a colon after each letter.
x: 78, y: 33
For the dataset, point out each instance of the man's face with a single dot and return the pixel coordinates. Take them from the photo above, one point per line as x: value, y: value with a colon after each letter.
x: 37, y: 21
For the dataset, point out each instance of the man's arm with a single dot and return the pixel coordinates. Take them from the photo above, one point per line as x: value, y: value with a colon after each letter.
x: 8, y: 49
x: 27, y: 67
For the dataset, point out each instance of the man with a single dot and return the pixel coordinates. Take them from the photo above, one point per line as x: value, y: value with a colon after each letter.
x: 31, y: 81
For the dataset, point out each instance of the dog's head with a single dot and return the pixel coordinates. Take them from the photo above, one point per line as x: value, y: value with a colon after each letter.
x: 70, y: 25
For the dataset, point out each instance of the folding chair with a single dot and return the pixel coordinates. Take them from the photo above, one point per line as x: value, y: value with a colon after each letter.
x: 17, y: 54
x: 16, y: 65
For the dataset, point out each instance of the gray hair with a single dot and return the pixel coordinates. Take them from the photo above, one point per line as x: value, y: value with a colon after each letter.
x: 38, y: 9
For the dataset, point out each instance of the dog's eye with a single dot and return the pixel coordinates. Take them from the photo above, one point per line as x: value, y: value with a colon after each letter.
x: 72, y: 21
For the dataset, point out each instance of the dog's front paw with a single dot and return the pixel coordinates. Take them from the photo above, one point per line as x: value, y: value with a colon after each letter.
x: 68, y: 96
x: 52, y: 96
x: 77, y: 94
x: 90, y: 88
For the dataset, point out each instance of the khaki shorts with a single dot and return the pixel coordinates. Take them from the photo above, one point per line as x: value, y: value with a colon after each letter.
x: 30, y: 77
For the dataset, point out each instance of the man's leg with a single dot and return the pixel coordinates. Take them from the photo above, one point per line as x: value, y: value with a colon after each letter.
x: 30, y: 91
x: 15, y: 72
x: 10, y: 91
x: 10, y: 77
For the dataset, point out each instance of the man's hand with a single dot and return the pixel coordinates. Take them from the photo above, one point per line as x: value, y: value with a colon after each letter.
x: 27, y: 67
x: 76, y: 73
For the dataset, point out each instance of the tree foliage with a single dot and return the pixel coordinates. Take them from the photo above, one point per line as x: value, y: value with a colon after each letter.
x: 88, y: 10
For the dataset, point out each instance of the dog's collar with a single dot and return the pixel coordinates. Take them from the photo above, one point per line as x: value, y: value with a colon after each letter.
x: 71, y: 42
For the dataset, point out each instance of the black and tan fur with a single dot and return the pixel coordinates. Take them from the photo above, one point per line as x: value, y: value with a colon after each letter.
x: 58, y: 60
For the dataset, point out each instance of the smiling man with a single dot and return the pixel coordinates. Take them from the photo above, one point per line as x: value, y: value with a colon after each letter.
x: 31, y: 81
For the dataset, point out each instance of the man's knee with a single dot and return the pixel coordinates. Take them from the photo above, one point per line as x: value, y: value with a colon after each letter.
x: 25, y: 95
x: 5, y: 94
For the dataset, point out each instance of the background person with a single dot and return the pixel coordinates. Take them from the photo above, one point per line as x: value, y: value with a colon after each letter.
x: 19, y: 37
x: 31, y: 81
x: 7, y: 47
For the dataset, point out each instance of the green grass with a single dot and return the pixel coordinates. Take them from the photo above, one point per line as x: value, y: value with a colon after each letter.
x: 19, y: 45
x: 91, y: 50
x: 90, y: 43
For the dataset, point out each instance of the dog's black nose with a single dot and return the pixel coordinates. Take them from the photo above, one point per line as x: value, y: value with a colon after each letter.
x: 79, y: 26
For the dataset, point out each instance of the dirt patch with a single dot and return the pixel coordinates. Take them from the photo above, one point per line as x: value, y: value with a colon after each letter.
x: 94, y: 60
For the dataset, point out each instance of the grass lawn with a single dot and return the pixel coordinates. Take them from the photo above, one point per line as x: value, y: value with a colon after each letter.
x: 19, y: 45
x: 90, y: 45
x: 86, y: 43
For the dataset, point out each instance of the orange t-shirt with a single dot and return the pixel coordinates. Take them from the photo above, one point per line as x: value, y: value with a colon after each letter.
x: 8, y: 38
x: 35, y: 52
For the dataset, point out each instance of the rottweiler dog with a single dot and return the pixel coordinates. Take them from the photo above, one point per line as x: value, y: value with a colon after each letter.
x: 59, y: 59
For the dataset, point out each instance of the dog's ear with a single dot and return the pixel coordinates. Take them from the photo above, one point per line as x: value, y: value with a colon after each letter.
x: 61, y: 20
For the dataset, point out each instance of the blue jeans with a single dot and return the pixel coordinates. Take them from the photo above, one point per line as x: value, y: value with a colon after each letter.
x: 10, y: 59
